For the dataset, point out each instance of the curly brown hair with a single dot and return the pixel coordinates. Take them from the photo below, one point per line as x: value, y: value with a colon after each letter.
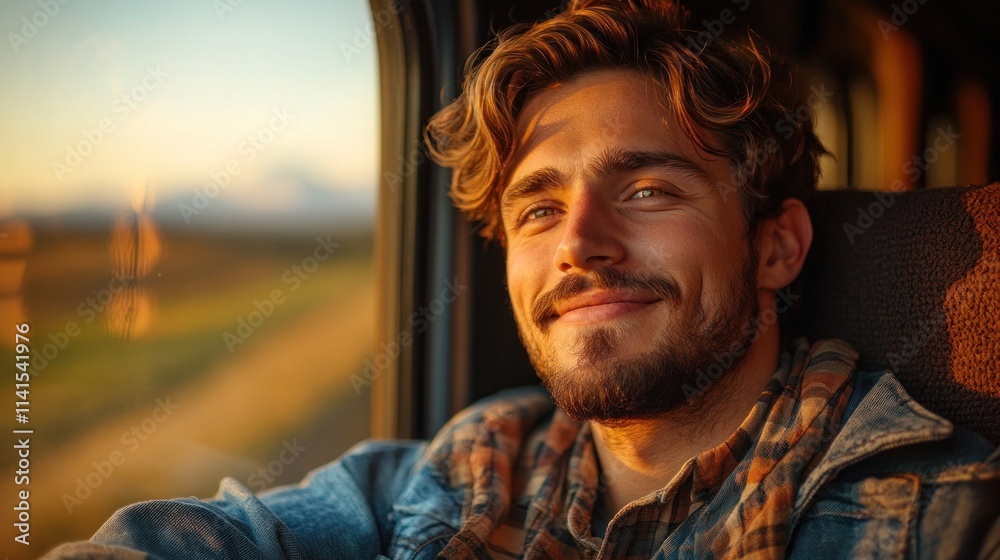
x: 728, y: 96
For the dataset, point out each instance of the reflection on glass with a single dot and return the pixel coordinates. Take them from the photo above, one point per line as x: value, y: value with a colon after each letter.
x: 134, y: 250
x: 16, y: 240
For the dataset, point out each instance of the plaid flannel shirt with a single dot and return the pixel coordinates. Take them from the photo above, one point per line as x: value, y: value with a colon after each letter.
x: 830, y: 462
x: 554, y: 485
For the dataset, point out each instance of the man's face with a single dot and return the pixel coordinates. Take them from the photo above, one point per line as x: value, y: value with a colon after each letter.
x: 628, y: 268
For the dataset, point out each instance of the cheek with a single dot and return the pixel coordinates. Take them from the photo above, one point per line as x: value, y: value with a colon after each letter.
x: 676, y: 248
x: 697, y: 254
x: 525, y: 277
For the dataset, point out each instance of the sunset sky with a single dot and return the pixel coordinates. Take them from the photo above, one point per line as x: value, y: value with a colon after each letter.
x: 182, y: 90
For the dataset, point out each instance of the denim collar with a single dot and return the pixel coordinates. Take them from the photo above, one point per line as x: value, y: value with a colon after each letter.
x: 882, y: 416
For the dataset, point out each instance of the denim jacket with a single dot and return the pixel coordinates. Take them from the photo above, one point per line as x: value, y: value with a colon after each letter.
x: 896, y: 482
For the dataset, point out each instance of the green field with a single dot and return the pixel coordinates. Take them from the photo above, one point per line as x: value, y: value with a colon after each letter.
x: 110, y: 353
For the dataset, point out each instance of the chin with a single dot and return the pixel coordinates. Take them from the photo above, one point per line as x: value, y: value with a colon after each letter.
x: 610, y: 378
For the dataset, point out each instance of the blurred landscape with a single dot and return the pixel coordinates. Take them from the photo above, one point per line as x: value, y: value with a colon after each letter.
x: 168, y: 168
x: 277, y: 406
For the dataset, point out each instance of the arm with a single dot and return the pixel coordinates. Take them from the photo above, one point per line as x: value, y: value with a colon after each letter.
x: 339, y: 511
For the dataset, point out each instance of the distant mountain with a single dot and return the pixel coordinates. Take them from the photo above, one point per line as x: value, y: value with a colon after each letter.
x: 282, y: 202
x: 277, y: 204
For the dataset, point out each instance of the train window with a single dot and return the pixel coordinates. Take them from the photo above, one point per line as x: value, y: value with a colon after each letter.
x: 186, y: 219
x: 226, y: 251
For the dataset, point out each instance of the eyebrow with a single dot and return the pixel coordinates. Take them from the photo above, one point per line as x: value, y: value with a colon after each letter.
x: 611, y: 162
x: 614, y: 161
x: 535, y: 182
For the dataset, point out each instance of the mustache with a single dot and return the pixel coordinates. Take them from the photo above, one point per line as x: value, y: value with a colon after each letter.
x: 605, y: 278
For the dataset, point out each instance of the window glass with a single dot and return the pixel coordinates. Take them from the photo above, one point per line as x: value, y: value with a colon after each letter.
x: 186, y: 216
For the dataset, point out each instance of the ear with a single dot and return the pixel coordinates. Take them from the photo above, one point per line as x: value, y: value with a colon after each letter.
x: 783, y: 243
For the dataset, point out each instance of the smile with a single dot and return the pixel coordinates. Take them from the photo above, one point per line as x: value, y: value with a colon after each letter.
x: 600, y: 306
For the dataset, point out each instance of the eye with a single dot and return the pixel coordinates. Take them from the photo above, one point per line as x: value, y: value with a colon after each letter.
x: 535, y: 213
x: 647, y: 193
x: 646, y: 189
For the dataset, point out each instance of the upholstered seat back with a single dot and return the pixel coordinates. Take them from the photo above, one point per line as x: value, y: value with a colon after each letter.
x: 912, y: 280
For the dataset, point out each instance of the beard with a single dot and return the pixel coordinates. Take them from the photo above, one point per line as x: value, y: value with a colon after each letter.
x: 610, y: 388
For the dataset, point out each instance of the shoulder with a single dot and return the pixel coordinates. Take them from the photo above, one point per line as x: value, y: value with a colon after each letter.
x: 899, y: 479
x: 882, y: 412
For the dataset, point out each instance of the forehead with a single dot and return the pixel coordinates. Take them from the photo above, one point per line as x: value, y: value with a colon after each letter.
x: 569, y: 125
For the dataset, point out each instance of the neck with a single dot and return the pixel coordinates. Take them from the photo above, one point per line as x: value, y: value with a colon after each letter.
x: 640, y: 457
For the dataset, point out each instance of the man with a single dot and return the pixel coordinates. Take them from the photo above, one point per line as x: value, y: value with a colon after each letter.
x: 650, y: 212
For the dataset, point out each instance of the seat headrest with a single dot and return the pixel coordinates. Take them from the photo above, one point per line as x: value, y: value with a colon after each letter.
x: 912, y: 280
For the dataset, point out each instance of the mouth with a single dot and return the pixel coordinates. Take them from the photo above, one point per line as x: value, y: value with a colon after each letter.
x: 593, y: 307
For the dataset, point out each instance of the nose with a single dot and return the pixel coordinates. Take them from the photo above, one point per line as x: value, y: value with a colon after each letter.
x: 590, y: 237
